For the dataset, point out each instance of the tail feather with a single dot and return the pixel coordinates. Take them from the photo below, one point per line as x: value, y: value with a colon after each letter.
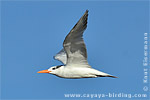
x: 106, y: 76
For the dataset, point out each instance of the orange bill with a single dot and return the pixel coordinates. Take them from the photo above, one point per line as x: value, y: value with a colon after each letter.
x: 44, y: 71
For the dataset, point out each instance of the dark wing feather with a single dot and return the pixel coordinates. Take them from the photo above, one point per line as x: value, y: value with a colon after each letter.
x: 74, y: 45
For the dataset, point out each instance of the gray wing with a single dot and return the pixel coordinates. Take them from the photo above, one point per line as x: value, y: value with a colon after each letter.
x: 74, y: 45
x: 61, y: 56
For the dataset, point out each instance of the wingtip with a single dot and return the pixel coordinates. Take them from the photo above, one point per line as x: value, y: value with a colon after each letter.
x: 114, y: 76
x: 87, y: 11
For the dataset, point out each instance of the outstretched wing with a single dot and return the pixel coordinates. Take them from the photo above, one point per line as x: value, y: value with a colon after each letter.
x: 61, y: 56
x: 74, y: 45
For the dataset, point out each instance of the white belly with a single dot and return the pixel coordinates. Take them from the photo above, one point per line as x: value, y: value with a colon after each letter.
x: 80, y: 73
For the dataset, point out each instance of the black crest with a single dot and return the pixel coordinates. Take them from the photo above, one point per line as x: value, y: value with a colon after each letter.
x: 58, y: 66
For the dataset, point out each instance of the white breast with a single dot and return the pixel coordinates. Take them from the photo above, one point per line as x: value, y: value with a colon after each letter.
x: 77, y: 72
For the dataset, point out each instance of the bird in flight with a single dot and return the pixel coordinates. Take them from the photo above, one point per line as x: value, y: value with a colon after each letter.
x: 74, y: 56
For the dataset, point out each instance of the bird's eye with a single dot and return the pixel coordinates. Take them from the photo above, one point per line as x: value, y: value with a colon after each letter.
x: 53, y: 68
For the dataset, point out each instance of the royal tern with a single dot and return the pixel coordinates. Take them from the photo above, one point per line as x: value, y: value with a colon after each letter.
x: 74, y: 55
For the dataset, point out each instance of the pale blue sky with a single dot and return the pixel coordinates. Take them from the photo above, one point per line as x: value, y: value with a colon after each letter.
x: 33, y: 32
